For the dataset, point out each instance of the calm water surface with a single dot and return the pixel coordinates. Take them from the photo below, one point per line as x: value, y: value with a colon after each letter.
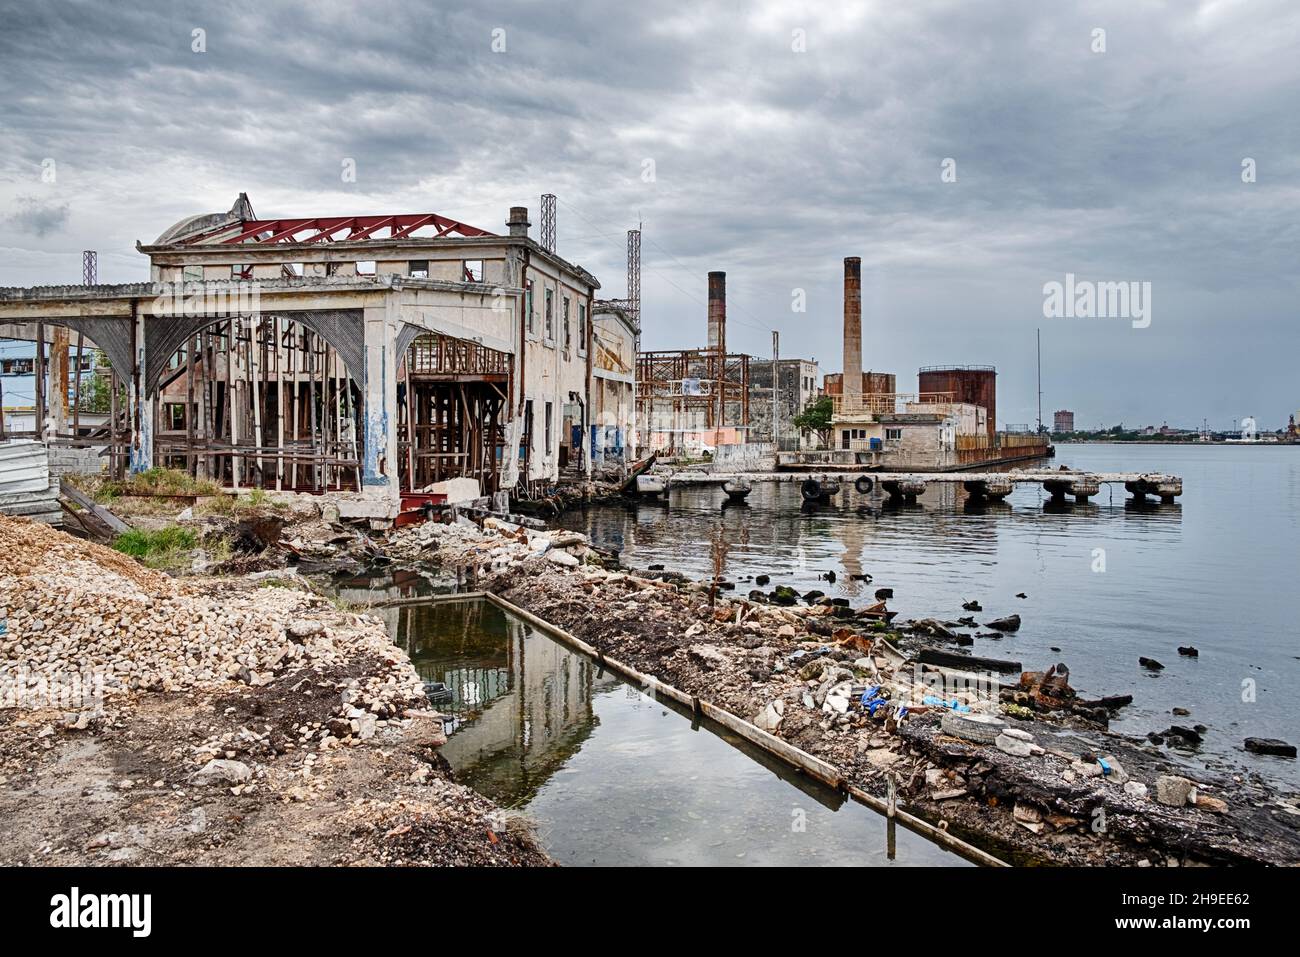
x: 1218, y: 571
x: 614, y: 777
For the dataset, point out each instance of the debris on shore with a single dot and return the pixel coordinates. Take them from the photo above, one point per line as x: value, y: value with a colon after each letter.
x: 147, y: 720
x: 1003, y: 765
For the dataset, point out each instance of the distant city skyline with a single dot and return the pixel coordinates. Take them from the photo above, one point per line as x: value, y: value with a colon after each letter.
x: 970, y: 156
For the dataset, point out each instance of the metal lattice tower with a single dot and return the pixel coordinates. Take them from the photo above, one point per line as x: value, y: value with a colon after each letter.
x: 548, y: 222
x: 90, y: 268
x: 634, y: 279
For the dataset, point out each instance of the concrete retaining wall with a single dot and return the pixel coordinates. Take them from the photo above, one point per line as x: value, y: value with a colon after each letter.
x: 749, y: 457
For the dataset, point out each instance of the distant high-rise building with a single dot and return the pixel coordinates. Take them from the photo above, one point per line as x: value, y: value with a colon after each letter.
x: 1063, y: 421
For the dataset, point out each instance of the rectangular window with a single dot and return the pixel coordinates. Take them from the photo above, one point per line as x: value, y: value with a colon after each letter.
x: 549, y: 324
x: 192, y: 273
x: 418, y: 269
x: 549, y: 416
x: 582, y: 328
x: 526, y: 442
x: 473, y: 270
x: 366, y: 268
x: 176, y: 416
x: 893, y: 434
x: 241, y: 272
x: 532, y: 317
x: 568, y: 336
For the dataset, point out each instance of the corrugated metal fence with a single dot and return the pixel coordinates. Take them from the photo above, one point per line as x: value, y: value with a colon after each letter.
x: 25, y: 486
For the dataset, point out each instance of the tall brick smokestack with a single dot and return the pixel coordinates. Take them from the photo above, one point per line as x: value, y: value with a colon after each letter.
x: 852, y: 325
x: 718, y: 311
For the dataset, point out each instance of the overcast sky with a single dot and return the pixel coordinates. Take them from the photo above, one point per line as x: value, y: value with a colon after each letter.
x: 782, y: 139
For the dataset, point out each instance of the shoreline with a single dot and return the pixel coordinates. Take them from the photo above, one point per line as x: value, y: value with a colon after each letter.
x: 727, y: 655
x: 794, y: 671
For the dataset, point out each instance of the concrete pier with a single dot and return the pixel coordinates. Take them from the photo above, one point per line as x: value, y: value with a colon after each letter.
x: 907, y: 486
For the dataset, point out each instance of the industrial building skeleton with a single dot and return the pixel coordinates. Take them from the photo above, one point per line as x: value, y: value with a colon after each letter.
x: 369, y: 353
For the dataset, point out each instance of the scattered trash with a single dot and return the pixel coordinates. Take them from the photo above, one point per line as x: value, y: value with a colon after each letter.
x: 980, y: 728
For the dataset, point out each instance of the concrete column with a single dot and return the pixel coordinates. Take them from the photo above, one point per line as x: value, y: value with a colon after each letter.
x: 379, y: 386
x: 140, y: 405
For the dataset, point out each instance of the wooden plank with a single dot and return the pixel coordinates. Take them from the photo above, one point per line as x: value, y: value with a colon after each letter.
x: 74, y: 494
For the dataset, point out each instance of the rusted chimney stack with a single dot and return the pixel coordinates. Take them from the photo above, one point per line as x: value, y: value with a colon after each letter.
x: 852, y: 325
x: 718, y: 311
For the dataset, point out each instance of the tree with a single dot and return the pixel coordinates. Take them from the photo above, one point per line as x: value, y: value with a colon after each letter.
x: 816, y: 417
x: 95, y: 390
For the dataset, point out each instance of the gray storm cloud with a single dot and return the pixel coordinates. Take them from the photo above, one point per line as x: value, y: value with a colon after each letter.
x: 770, y: 162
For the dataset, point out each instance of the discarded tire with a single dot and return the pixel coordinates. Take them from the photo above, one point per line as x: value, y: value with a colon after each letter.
x: 980, y: 728
x: 864, y: 485
x: 811, y: 490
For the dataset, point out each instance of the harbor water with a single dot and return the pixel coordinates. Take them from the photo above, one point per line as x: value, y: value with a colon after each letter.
x: 1105, y: 583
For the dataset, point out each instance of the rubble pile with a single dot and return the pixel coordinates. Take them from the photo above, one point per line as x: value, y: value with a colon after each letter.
x: 72, y: 607
x: 495, y: 547
x: 228, y: 723
x: 995, y: 761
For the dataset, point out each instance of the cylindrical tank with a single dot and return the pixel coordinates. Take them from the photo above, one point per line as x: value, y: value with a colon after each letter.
x: 977, y: 385
x: 872, y: 382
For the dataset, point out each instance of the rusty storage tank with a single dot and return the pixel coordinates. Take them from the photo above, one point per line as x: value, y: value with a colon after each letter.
x: 872, y: 382
x: 977, y: 385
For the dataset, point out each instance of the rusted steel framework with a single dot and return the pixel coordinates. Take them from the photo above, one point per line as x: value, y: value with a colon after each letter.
x: 327, y: 229
x: 452, y: 408
x: 435, y: 355
x: 679, y: 390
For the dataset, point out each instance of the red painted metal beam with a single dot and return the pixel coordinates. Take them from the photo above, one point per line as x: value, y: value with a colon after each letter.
x: 324, y: 228
x: 413, y: 225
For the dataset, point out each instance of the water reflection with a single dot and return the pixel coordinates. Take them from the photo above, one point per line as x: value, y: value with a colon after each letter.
x: 613, y: 776
x: 520, y: 703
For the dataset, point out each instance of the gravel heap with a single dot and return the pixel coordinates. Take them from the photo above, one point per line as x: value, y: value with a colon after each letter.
x: 76, y: 612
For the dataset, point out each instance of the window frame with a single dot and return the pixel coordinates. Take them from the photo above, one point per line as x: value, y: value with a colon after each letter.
x: 530, y: 304
x: 548, y: 319
x: 566, y: 326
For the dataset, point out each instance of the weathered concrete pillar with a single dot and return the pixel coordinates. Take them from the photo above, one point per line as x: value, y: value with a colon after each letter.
x: 906, y: 490
x: 140, y: 406
x: 379, y: 386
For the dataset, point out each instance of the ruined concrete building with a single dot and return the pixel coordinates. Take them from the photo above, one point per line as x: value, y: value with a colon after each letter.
x: 695, y: 400
x: 358, y: 354
x: 798, y: 383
